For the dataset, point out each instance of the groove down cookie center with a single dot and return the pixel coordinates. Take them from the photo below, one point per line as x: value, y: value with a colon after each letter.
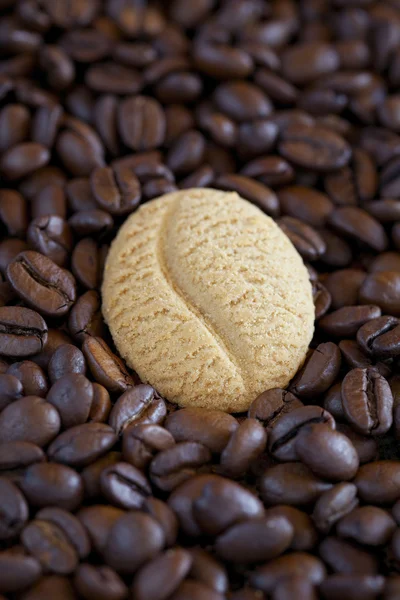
x: 207, y: 299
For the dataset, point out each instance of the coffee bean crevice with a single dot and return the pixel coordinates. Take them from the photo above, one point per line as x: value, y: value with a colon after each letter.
x: 107, y: 491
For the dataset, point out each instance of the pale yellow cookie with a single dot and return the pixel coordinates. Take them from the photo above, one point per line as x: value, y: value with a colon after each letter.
x: 207, y: 299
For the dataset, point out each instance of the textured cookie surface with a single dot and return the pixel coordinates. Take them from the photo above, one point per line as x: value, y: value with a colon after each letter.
x: 207, y: 299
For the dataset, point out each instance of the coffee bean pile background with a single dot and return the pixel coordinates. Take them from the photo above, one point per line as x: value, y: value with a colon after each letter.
x: 106, y: 491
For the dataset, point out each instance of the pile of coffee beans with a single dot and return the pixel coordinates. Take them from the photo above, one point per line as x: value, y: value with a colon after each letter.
x: 108, y: 492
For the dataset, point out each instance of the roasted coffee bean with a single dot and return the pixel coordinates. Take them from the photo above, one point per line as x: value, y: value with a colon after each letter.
x: 291, y: 483
x: 343, y: 286
x: 211, y: 428
x: 51, y: 586
x: 106, y: 368
x: 305, y: 239
x: 379, y: 337
x: 242, y: 101
x: 135, y: 538
x: 105, y: 121
x: 85, y: 317
x: 352, y: 587
x: 14, y: 510
x: 308, y: 61
x: 162, y: 576
x: 42, y: 284
x: 244, y: 447
x: 101, y: 582
x: 255, y: 540
x: 79, y: 148
x: 11, y: 389
x: 207, y: 570
x: 346, y: 321
x: 23, y: 332
x: 366, y: 446
x: 79, y: 194
x: 346, y: 558
x: 29, y: 419
x: 328, y: 453
x: 251, y: 190
x: 13, y: 213
x: 124, y: 485
x: 271, y: 405
x: 283, y: 434
x: 305, y: 535
x: 164, y: 516
x: 116, y: 190
x: 15, y: 456
x: 320, y: 371
x: 357, y: 224
x: 50, y: 235
x: 367, y: 525
x: 305, y: 204
x: 55, y: 338
x: 46, y: 542
x: 266, y: 577
x: 67, y: 359
x: 195, y: 590
x: 14, y: 123
x: 70, y: 526
x: 173, y: 466
x: 367, y: 401
x: 138, y: 405
x: 23, y: 159
x: 98, y: 521
x: 334, y: 504
x: 92, y: 473
x: 91, y: 222
x: 383, y: 289
x: 31, y: 376
x: 294, y: 587
x: 101, y: 404
x: 72, y: 396
x: 378, y: 482
x: 82, y: 444
x: 17, y: 571
x: 187, y: 152
x: 141, y: 123
x: 48, y: 484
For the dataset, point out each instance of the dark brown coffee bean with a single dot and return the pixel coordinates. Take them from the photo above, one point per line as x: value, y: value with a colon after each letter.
x: 196, y: 591
x: 79, y: 194
x: 18, y: 571
x: 70, y: 526
x: 14, y: 125
x: 106, y: 368
x: 79, y: 148
x: 378, y: 482
x: 48, y: 484
x: 139, y: 404
x: 67, y: 359
x: 173, y: 466
x: 389, y: 177
x: 31, y: 376
x: 251, y: 190
x: 13, y: 213
x: 160, y: 577
x: 29, y: 419
x: 269, y: 406
x: 85, y: 318
x: 98, y: 519
x: 271, y: 170
x: 207, y: 570
x: 244, y: 447
x: 367, y: 525
x: 222, y: 62
x: 112, y: 78
x: 105, y: 121
x: 308, y: 61
x: 164, y: 516
x: 359, y: 225
x: 367, y: 401
x: 346, y: 558
x: 51, y: 236
x: 277, y: 88
x: 187, y: 152
x: 23, y: 332
x: 283, y: 434
x: 141, y: 442
x: 354, y: 355
x: 15, y: 456
x: 11, y: 389
x: 266, y: 577
x: 379, y: 337
x: 89, y: 222
x: 304, y: 238
x: 99, y: 582
x: 385, y: 288
x: 135, y: 538
x: 211, y: 428
x: 328, y: 453
x: 333, y: 505
x: 21, y: 160
x: 242, y: 101
x: 46, y: 542
x: 352, y: 587
x: 141, y: 123
x: 125, y: 486
x: 55, y: 338
x: 116, y: 190
x: 346, y: 321
x: 320, y: 371
x: 82, y: 444
x: 9, y: 249
x: 42, y: 284
x: 50, y: 201
x: 14, y: 510
x: 291, y: 483
x: 319, y: 149
x: 72, y: 395
x: 255, y: 540
x: 85, y: 263
x: 343, y: 286
x: 92, y: 473
x: 305, y: 204
x: 101, y: 404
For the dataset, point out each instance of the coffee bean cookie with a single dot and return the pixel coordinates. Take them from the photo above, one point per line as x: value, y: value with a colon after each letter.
x: 207, y: 300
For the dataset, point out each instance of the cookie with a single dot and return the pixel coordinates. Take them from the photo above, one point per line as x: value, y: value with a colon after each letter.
x: 207, y: 299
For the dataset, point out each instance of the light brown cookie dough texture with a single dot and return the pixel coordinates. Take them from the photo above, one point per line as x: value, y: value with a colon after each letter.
x: 207, y: 300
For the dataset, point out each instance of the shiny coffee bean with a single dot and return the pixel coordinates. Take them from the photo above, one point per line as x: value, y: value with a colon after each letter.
x: 124, y: 485
x: 173, y: 466
x: 139, y: 404
x: 271, y: 405
x: 23, y: 332
x: 49, y: 484
x: 141, y: 442
x: 106, y: 368
x: 72, y: 396
x: 31, y: 376
x: 29, y: 419
x: 82, y: 444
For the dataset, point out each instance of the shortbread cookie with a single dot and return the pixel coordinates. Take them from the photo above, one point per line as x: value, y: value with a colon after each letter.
x: 207, y: 300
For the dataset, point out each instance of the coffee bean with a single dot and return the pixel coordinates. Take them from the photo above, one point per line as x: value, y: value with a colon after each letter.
x: 46, y: 542
x: 211, y: 428
x: 346, y: 321
x: 17, y: 571
x: 23, y: 159
x: 106, y: 368
x: 379, y: 337
x: 308, y: 61
x: 352, y: 587
x: 187, y: 152
x: 384, y: 289
x: 105, y: 121
x: 173, y: 466
x: 197, y: 590
x: 66, y: 360
x: 98, y: 520
x: 244, y: 447
x: 101, y: 404
x: 14, y: 510
x: 14, y: 124
x: 51, y: 236
x: 11, y: 389
x: 367, y: 525
x: 48, y: 484
x: 45, y: 124
x: 161, y: 576
x: 124, y: 485
x: 334, y: 504
x: 42, y: 284
x: 23, y: 332
x: 116, y: 190
x: 135, y: 538
x: 255, y: 540
x: 15, y: 456
x: 357, y: 224
x: 70, y: 526
x: 242, y: 101
x: 367, y: 401
x: 29, y: 419
x: 343, y: 286
x: 283, y: 434
x: 266, y: 577
x: 251, y: 190
x: 305, y: 239
x: 346, y: 558
x: 55, y: 338
x: 329, y: 454
x: 138, y: 405
x: 85, y: 317
x: 271, y: 405
x: 306, y: 204
x: 378, y: 482
x: 294, y: 587
x: 79, y: 194
x: 51, y: 586
x: 13, y: 213
x: 207, y: 570
x: 82, y: 444
x: 164, y: 516
x: 320, y: 371
x: 305, y: 535
x: 291, y: 483
x: 72, y: 396
x: 100, y: 582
